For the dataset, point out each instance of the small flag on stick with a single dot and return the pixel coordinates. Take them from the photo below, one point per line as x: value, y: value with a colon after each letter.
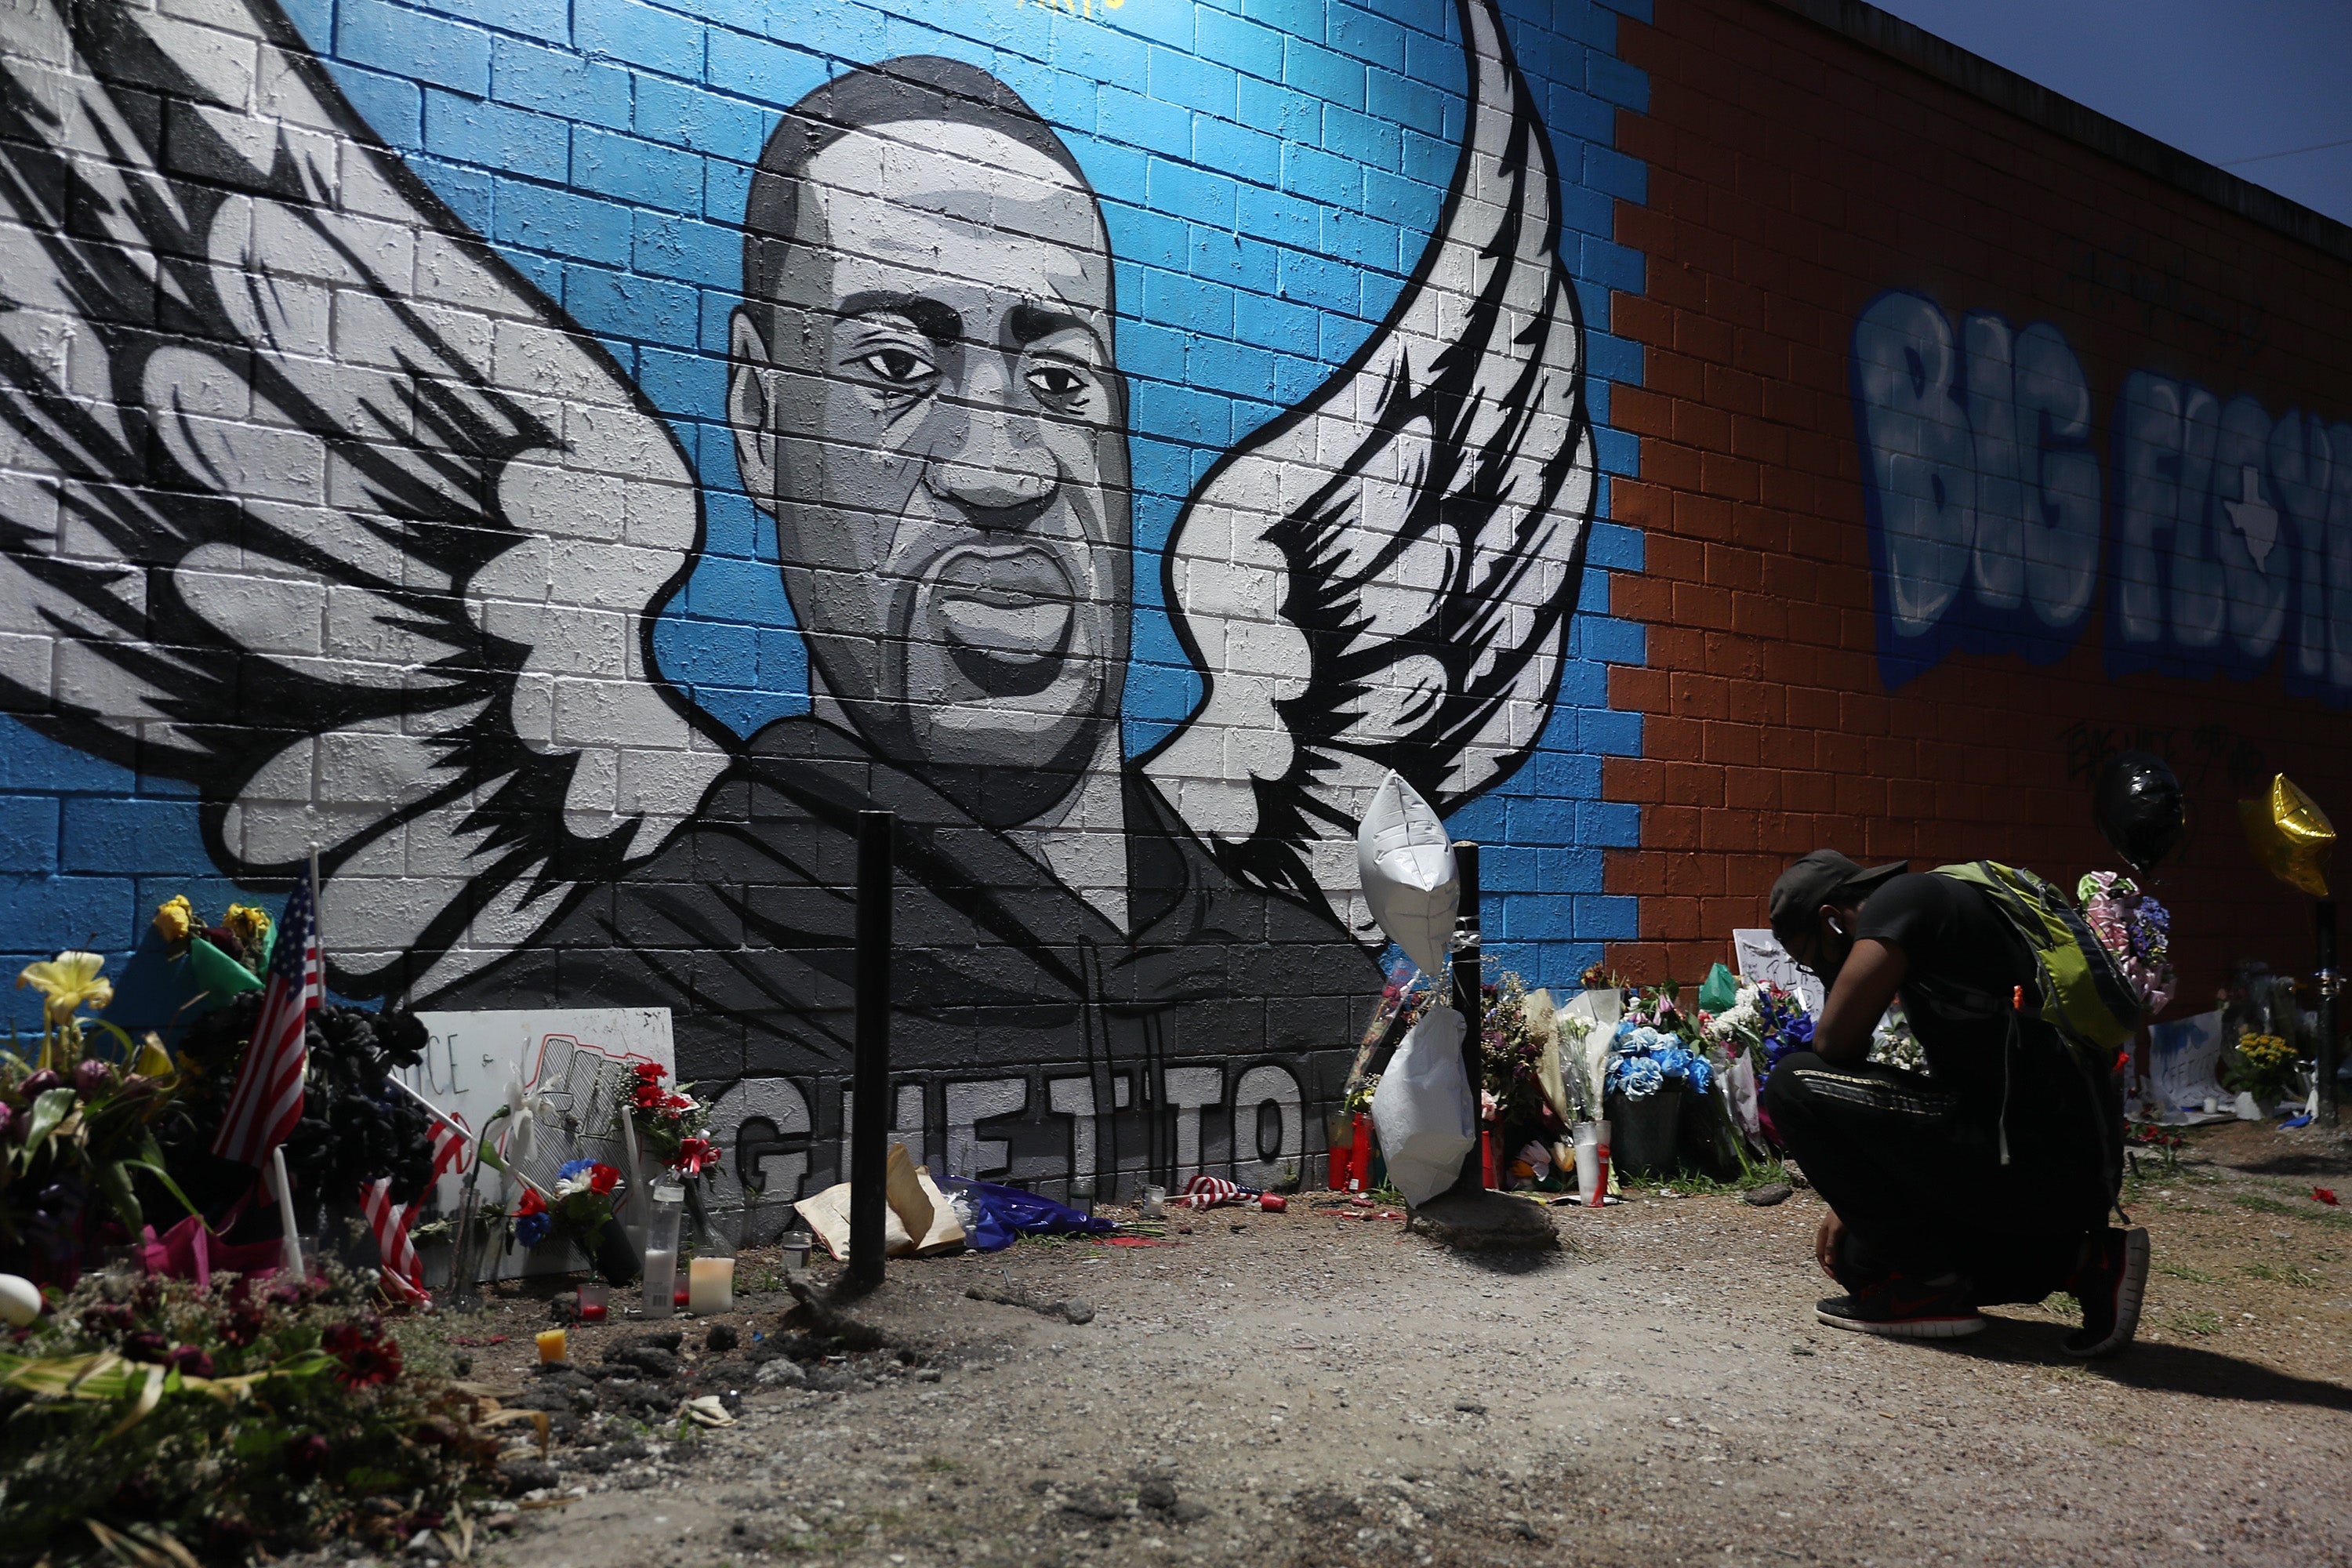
x: 402, y: 1274
x: 267, y: 1100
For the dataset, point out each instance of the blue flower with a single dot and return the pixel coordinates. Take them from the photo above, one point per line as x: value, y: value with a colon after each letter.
x: 573, y: 1169
x: 1636, y: 1077
x: 532, y: 1229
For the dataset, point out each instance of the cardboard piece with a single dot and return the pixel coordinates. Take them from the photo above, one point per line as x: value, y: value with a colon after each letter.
x: 1405, y: 863
x: 917, y: 1221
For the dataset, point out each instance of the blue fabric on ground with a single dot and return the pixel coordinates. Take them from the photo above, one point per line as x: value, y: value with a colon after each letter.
x: 1007, y: 1214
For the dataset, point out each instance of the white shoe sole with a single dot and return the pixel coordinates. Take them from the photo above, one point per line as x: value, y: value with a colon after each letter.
x: 1907, y: 1328
x: 2130, y: 1292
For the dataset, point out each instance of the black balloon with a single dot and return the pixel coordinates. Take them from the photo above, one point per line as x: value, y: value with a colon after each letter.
x: 2137, y: 805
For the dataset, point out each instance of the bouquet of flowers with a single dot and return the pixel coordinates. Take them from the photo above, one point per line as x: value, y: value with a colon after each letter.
x: 2135, y: 929
x: 1769, y: 1021
x: 1643, y: 1057
x: 671, y: 1124
x: 583, y: 1201
x: 1892, y: 1043
x: 1513, y: 1052
x: 2265, y: 1068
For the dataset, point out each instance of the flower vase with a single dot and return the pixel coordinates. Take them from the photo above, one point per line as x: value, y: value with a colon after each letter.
x: 613, y: 1257
x: 1645, y: 1133
x: 468, y: 1250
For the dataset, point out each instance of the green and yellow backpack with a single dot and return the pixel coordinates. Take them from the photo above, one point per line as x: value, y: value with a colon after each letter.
x: 2085, y: 995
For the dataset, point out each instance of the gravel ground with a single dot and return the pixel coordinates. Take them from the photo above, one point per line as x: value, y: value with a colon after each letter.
x: 1314, y: 1388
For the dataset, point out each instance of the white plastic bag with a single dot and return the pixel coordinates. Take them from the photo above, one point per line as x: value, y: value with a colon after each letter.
x: 1405, y: 863
x: 1422, y: 1109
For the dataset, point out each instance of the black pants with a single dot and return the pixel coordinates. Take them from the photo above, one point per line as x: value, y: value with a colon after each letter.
x: 1920, y: 1185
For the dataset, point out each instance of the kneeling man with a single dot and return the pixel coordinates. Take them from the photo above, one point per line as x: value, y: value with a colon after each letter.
x: 1989, y: 1181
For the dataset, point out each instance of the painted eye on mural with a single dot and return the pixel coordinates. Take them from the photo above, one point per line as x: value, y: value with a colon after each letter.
x: 1060, y: 384
x: 897, y: 368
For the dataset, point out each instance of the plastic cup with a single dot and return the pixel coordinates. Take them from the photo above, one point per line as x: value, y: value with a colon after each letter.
x: 595, y: 1302
x: 1588, y: 1159
x: 796, y: 1245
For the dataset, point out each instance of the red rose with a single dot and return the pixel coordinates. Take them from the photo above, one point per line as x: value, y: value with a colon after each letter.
x: 651, y: 1072
x: 676, y: 1103
x: 602, y: 1177
x: 532, y: 1203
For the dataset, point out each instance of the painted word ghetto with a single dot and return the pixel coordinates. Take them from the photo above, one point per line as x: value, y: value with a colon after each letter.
x: 2227, y: 532
x: 786, y: 1136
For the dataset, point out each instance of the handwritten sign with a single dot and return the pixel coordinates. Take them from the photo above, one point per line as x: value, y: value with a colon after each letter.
x: 1758, y: 957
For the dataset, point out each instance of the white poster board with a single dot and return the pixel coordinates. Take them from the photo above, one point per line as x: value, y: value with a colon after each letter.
x: 2182, y: 1055
x: 578, y: 1057
x: 1757, y: 956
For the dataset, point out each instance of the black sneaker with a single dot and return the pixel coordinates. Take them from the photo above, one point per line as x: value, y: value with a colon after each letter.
x: 1903, y: 1309
x: 2111, y: 1286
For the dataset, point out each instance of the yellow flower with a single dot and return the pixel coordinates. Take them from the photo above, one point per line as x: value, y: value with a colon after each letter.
x: 248, y: 925
x: 153, y: 1061
x: 70, y: 982
x: 173, y: 920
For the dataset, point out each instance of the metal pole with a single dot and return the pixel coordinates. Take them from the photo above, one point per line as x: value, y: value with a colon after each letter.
x: 2330, y: 984
x: 1469, y: 994
x: 869, y: 1131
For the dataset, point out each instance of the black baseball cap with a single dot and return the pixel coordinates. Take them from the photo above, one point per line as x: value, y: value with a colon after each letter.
x: 1824, y: 876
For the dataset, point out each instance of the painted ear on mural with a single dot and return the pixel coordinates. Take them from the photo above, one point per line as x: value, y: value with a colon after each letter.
x: 1383, y: 577
x: 367, y: 549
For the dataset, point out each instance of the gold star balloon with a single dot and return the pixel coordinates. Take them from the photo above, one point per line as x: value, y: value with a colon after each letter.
x: 2290, y: 835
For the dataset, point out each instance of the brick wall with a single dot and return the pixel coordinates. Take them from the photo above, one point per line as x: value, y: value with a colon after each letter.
x: 1267, y: 176
x: 1796, y: 176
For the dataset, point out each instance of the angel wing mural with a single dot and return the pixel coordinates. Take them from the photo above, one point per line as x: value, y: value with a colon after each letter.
x: 312, y: 501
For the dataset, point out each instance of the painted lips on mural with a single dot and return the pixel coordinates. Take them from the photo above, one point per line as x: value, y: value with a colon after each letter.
x: 318, y: 505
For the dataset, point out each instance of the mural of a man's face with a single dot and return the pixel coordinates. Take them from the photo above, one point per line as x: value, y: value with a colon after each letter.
x: 930, y: 409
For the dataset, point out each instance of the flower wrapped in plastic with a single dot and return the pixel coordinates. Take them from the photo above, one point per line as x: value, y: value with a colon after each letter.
x: 2137, y: 930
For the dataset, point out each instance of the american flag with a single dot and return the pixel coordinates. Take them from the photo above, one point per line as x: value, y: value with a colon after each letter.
x: 449, y: 1147
x: 268, y: 1099
x: 402, y: 1274
x: 1206, y: 1192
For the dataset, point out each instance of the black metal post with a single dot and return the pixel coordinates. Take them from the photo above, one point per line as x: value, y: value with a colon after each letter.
x: 2324, y: 934
x: 869, y: 1132
x: 1469, y: 994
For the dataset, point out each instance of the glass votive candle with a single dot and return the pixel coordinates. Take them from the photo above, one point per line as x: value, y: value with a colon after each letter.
x: 710, y: 1285
x: 595, y: 1302
x: 550, y: 1345
x: 796, y: 1253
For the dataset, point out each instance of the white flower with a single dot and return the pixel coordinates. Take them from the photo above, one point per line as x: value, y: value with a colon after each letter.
x: 524, y: 1107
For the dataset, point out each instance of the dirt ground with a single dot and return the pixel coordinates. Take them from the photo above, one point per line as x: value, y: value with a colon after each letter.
x: 1314, y: 1388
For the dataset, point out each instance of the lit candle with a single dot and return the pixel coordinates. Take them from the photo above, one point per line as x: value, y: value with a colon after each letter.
x: 550, y: 1345
x: 710, y: 1285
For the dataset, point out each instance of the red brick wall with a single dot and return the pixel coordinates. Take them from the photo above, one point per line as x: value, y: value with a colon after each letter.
x: 1794, y: 174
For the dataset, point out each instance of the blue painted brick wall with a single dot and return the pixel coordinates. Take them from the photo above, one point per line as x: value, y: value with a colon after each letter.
x: 1270, y: 170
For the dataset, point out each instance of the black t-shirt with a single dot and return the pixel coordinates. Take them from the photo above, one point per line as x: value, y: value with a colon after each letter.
x: 1964, y: 962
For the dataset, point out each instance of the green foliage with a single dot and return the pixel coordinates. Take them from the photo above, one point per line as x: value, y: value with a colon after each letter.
x: 246, y: 1414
